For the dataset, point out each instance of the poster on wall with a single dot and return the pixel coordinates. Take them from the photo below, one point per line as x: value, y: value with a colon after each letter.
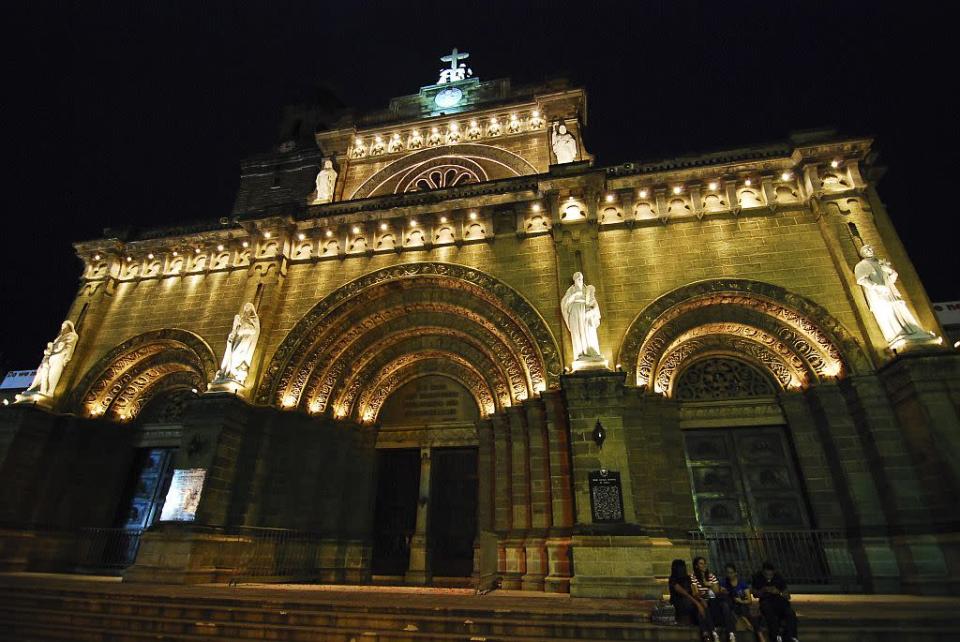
x: 184, y: 495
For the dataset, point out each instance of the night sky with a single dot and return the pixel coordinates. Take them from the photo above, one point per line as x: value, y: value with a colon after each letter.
x: 138, y: 114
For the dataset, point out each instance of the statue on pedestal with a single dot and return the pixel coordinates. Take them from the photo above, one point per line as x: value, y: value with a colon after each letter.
x: 878, y: 280
x: 581, y: 313
x: 56, y: 356
x: 564, y: 144
x: 241, y: 343
x: 326, y: 180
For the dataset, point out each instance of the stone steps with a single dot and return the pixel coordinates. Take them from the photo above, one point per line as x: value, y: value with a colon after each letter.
x: 121, y: 613
x: 107, y: 616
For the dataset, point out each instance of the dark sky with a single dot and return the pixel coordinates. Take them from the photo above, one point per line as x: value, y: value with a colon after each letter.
x: 139, y: 113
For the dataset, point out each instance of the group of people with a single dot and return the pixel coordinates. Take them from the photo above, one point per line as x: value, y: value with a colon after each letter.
x: 711, y: 603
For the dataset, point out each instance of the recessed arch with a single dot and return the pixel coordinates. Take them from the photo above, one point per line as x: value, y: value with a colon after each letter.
x: 797, y: 342
x: 122, y: 382
x: 483, y: 162
x: 375, y: 330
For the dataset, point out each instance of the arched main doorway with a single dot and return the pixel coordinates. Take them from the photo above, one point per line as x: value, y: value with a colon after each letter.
x: 423, y: 352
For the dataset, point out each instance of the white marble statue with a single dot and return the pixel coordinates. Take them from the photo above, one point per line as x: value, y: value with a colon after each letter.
x: 581, y: 313
x: 564, y: 144
x: 56, y: 356
x: 878, y: 280
x: 326, y: 180
x: 241, y: 343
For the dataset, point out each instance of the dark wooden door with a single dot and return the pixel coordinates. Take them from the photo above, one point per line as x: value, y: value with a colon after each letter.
x: 398, y: 483
x: 453, y: 511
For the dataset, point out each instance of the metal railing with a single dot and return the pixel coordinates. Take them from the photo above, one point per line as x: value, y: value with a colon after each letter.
x: 804, y: 557
x: 276, y: 554
x: 100, y: 549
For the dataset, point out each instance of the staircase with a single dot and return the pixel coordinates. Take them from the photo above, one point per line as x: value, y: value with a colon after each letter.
x: 97, y: 611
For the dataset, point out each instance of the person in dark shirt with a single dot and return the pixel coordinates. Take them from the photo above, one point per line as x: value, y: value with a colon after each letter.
x: 770, y: 587
x: 686, y: 600
x: 737, y: 591
x: 706, y: 583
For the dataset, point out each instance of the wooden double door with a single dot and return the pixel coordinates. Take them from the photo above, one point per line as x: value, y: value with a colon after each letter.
x: 451, y: 510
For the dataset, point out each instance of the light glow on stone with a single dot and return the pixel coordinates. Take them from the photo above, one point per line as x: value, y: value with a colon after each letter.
x: 643, y: 193
x: 96, y: 257
x: 536, y: 207
x: 245, y: 244
x: 834, y: 164
x: 220, y: 247
x: 677, y: 189
x: 443, y: 219
x: 150, y: 256
x: 196, y: 250
x: 175, y: 253
x: 329, y: 233
x: 473, y: 216
x: 712, y: 185
x: 267, y: 235
x: 610, y: 198
x: 356, y: 230
x: 384, y: 226
x: 129, y: 258
x: 748, y: 182
x: 413, y: 223
x: 289, y: 401
x: 786, y: 176
x: 301, y: 236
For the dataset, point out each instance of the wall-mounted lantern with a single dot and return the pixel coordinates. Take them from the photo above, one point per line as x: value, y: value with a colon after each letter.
x: 599, y: 434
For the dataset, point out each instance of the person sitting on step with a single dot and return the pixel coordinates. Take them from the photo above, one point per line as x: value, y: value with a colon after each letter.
x: 687, y: 602
x: 737, y: 591
x: 708, y: 586
x: 771, y: 588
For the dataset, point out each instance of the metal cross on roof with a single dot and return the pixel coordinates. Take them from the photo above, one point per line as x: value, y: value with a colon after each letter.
x: 454, y: 58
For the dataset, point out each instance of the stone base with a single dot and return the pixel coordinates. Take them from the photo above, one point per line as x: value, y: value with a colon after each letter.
x: 623, y: 566
x: 178, y: 554
x: 33, y: 398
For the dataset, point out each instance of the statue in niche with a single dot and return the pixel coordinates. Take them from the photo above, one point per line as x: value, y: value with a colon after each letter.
x: 326, y: 180
x: 434, y: 138
x: 564, y: 144
x: 878, y: 280
x: 581, y: 313
x: 415, y: 141
x: 241, y: 343
x: 494, y: 128
x: 378, y: 147
x: 56, y: 356
x: 396, y: 145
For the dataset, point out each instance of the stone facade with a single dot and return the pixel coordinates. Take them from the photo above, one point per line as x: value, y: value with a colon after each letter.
x: 450, y: 239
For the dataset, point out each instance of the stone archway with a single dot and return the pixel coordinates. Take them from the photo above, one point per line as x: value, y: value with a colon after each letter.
x: 794, y: 340
x: 374, y: 334
x: 468, y: 162
x: 122, y: 382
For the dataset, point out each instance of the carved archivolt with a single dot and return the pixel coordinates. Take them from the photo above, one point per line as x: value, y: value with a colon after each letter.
x: 483, y: 162
x: 124, y: 380
x: 720, y: 377
x: 792, y: 338
x: 340, y: 348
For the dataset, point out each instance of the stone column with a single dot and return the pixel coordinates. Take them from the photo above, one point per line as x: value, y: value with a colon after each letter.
x: 418, y: 571
x: 561, y: 497
x: 540, y: 518
x: 865, y: 513
x: 516, y: 564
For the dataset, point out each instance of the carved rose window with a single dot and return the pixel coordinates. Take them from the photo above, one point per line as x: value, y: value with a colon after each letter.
x: 440, y: 177
x: 721, y: 378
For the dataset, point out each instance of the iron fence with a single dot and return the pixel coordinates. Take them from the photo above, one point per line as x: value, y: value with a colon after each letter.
x: 106, y: 549
x: 276, y: 554
x: 804, y: 557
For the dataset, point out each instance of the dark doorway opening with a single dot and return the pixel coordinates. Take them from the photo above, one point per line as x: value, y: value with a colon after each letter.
x: 453, y: 511
x: 395, y: 519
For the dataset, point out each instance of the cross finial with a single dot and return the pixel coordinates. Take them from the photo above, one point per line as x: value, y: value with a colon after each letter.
x: 454, y: 58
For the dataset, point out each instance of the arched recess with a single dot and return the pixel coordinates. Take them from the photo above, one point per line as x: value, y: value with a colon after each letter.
x: 454, y: 164
x: 146, y: 366
x: 378, y: 332
x: 790, y: 338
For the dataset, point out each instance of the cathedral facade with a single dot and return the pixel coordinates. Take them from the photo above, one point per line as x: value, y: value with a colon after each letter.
x: 441, y: 341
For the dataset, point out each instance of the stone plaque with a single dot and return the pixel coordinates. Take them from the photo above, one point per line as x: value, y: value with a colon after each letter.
x: 429, y: 400
x: 606, y: 497
x: 184, y: 495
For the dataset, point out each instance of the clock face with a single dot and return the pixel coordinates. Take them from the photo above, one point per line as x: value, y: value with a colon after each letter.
x: 448, y: 97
